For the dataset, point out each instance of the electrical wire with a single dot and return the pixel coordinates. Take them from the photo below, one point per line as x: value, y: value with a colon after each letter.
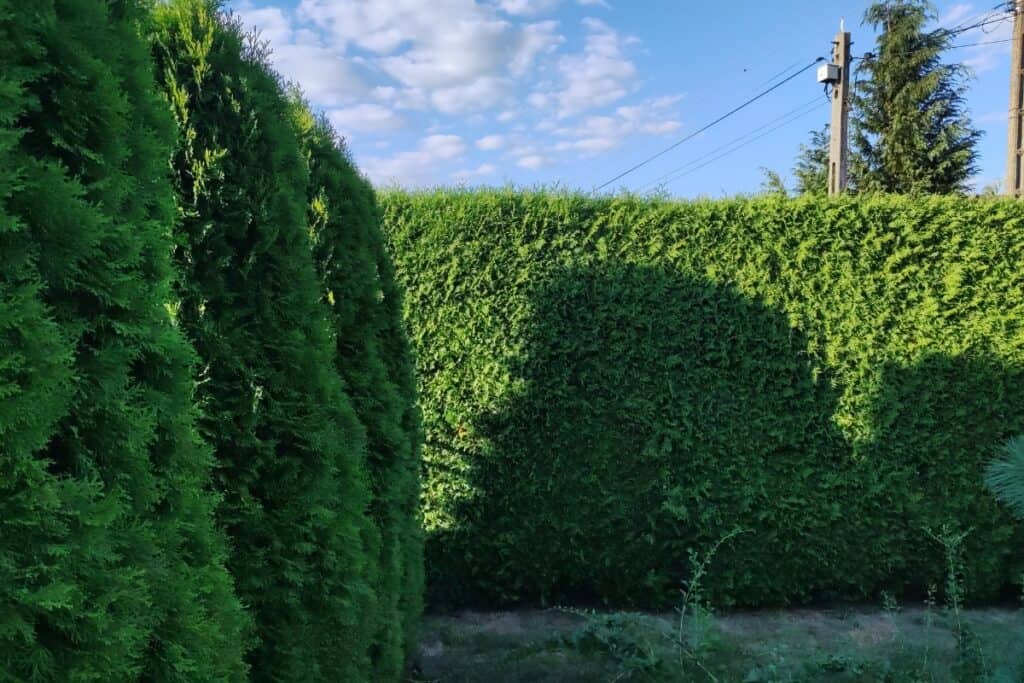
x: 690, y: 169
x: 987, y: 19
x: 993, y: 16
x: 986, y: 42
x: 984, y: 20
x: 778, y: 75
x: 871, y: 55
x: 796, y: 110
x: 694, y: 134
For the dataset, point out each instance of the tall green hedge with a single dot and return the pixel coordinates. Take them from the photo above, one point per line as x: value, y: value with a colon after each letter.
x: 609, y: 384
x: 110, y: 566
x: 372, y: 356
x: 290, y: 447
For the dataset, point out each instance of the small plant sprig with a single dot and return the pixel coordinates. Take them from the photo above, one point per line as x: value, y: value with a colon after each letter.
x: 970, y: 660
x: 694, y: 602
x: 929, y: 623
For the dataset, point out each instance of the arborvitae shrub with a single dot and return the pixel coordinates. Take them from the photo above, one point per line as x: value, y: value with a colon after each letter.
x: 372, y: 356
x: 290, y: 449
x: 110, y: 565
x: 608, y: 384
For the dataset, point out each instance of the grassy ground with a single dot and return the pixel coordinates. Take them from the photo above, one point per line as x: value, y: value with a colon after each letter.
x: 911, y: 644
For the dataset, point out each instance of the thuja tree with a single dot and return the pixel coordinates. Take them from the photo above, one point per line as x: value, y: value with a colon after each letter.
x: 811, y: 168
x: 911, y: 132
x: 289, y: 446
x: 373, y: 357
x: 110, y: 565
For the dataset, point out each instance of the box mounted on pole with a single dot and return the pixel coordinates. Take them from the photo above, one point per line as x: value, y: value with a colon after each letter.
x: 837, y: 75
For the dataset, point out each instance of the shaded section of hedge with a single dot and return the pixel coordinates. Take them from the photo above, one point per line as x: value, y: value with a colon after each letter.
x: 609, y: 384
x: 290, y: 448
x: 110, y: 565
x: 373, y: 358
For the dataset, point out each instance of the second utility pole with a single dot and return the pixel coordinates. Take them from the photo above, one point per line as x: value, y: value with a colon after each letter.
x: 1014, y: 175
x: 838, y: 148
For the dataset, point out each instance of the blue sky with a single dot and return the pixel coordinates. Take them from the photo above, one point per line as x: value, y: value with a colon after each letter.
x: 572, y: 92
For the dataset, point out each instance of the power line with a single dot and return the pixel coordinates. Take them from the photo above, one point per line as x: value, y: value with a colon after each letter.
x: 987, y: 19
x: 984, y: 16
x: 800, y: 109
x: 992, y: 17
x: 985, y: 42
x: 694, y: 169
x: 778, y: 75
x: 691, y: 168
x: 871, y: 55
x: 721, y: 118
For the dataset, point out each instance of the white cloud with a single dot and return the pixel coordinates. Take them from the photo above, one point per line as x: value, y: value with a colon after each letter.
x: 533, y: 161
x: 443, y: 146
x: 490, y: 143
x: 417, y: 167
x: 401, y: 98
x: 983, y: 60
x: 481, y: 171
x: 527, y: 7
x: 459, y: 53
x: 365, y: 117
x: 537, y: 39
x: 271, y: 22
x: 483, y: 93
x: 597, y: 134
x: 327, y: 77
x: 376, y: 66
x: 955, y: 14
x: 997, y: 26
x: 376, y: 26
x: 1001, y: 116
x: 599, y: 75
x: 452, y: 56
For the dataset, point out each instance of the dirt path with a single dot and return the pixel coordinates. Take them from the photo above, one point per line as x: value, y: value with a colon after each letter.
x: 906, y: 644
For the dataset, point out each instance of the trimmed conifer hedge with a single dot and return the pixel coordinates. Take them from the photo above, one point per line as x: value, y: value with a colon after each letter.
x: 610, y: 384
x: 290, y: 448
x: 111, y: 567
x: 372, y: 356
x: 288, y: 296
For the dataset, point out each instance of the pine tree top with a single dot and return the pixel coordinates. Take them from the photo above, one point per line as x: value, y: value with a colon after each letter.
x: 911, y: 132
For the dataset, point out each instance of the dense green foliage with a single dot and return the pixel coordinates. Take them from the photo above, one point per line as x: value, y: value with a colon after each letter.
x: 911, y: 132
x: 811, y: 168
x: 291, y: 450
x: 373, y: 358
x: 110, y: 566
x: 610, y: 383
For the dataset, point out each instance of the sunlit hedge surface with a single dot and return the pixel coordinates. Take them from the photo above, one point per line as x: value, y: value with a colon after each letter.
x: 611, y: 384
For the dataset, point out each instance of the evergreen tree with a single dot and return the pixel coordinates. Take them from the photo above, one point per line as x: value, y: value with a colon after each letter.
x: 110, y: 565
x: 373, y: 357
x: 289, y: 445
x: 811, y: 169
x: 772, y: 182
x: 911, y: 132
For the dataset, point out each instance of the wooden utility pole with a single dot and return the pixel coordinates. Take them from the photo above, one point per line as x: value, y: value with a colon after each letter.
x: 1014, y: 181
x: 838, y: 148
